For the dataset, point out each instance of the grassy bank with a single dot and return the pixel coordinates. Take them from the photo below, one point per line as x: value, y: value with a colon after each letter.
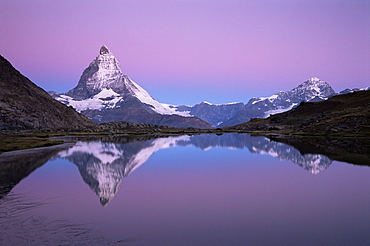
x: 28, y: 140
x: 18, y: 142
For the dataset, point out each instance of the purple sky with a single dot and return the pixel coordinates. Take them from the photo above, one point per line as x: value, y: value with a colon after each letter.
x: 187, y: 51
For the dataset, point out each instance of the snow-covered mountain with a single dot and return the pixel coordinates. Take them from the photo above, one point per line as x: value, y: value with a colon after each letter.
x: 105, y: 94
x: 311, y: 90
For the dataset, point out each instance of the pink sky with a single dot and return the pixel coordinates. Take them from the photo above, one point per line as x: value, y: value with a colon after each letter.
x: 187, y: 51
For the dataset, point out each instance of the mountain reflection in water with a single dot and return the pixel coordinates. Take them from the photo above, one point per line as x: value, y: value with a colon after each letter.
x: 102, y: 165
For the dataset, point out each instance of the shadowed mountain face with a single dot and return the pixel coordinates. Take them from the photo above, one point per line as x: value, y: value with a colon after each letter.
x: 102, y: 165
x: 23, y: 105
x: 214, y: 114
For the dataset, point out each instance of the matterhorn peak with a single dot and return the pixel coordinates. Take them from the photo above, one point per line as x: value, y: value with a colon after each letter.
x: 103, y: 86
x: 104, y: 50
x: 104, y: 72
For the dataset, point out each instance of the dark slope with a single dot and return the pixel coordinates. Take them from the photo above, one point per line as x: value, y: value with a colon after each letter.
x: 350, y: 150
x: 23, y: 105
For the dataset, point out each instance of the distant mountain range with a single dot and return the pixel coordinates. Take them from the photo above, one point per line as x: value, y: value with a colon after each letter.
x: 223, y: 115
x: 105, y: 94
x: 231, y: 114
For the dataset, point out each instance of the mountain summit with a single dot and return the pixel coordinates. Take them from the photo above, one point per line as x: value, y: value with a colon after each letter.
x: 104, y: 50
x: 313, y: 89
x: 103, y: 73
x: 105, y: 94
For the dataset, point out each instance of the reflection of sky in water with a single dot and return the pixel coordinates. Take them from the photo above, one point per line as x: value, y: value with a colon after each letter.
x: 184, y: 195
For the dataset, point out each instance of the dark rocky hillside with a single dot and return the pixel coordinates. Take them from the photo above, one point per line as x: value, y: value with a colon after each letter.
x: 349, y: 113
x: 24, y: 105
x: 214, y: 114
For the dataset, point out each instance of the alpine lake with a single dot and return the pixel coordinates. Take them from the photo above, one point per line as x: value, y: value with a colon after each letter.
x: 229, y: 189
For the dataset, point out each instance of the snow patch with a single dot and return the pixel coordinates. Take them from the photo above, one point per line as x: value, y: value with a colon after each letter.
x: 271, y: 98
x: 222, y: 104
x: 107, y: 98
x: 259, y: 99
x: 279, y: 110
x: 107, y: 153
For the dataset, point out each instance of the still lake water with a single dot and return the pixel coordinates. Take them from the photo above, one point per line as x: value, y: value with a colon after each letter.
x: 233, y: 189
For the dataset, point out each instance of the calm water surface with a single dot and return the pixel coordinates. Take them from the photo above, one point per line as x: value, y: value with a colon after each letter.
x: 232, y: 189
